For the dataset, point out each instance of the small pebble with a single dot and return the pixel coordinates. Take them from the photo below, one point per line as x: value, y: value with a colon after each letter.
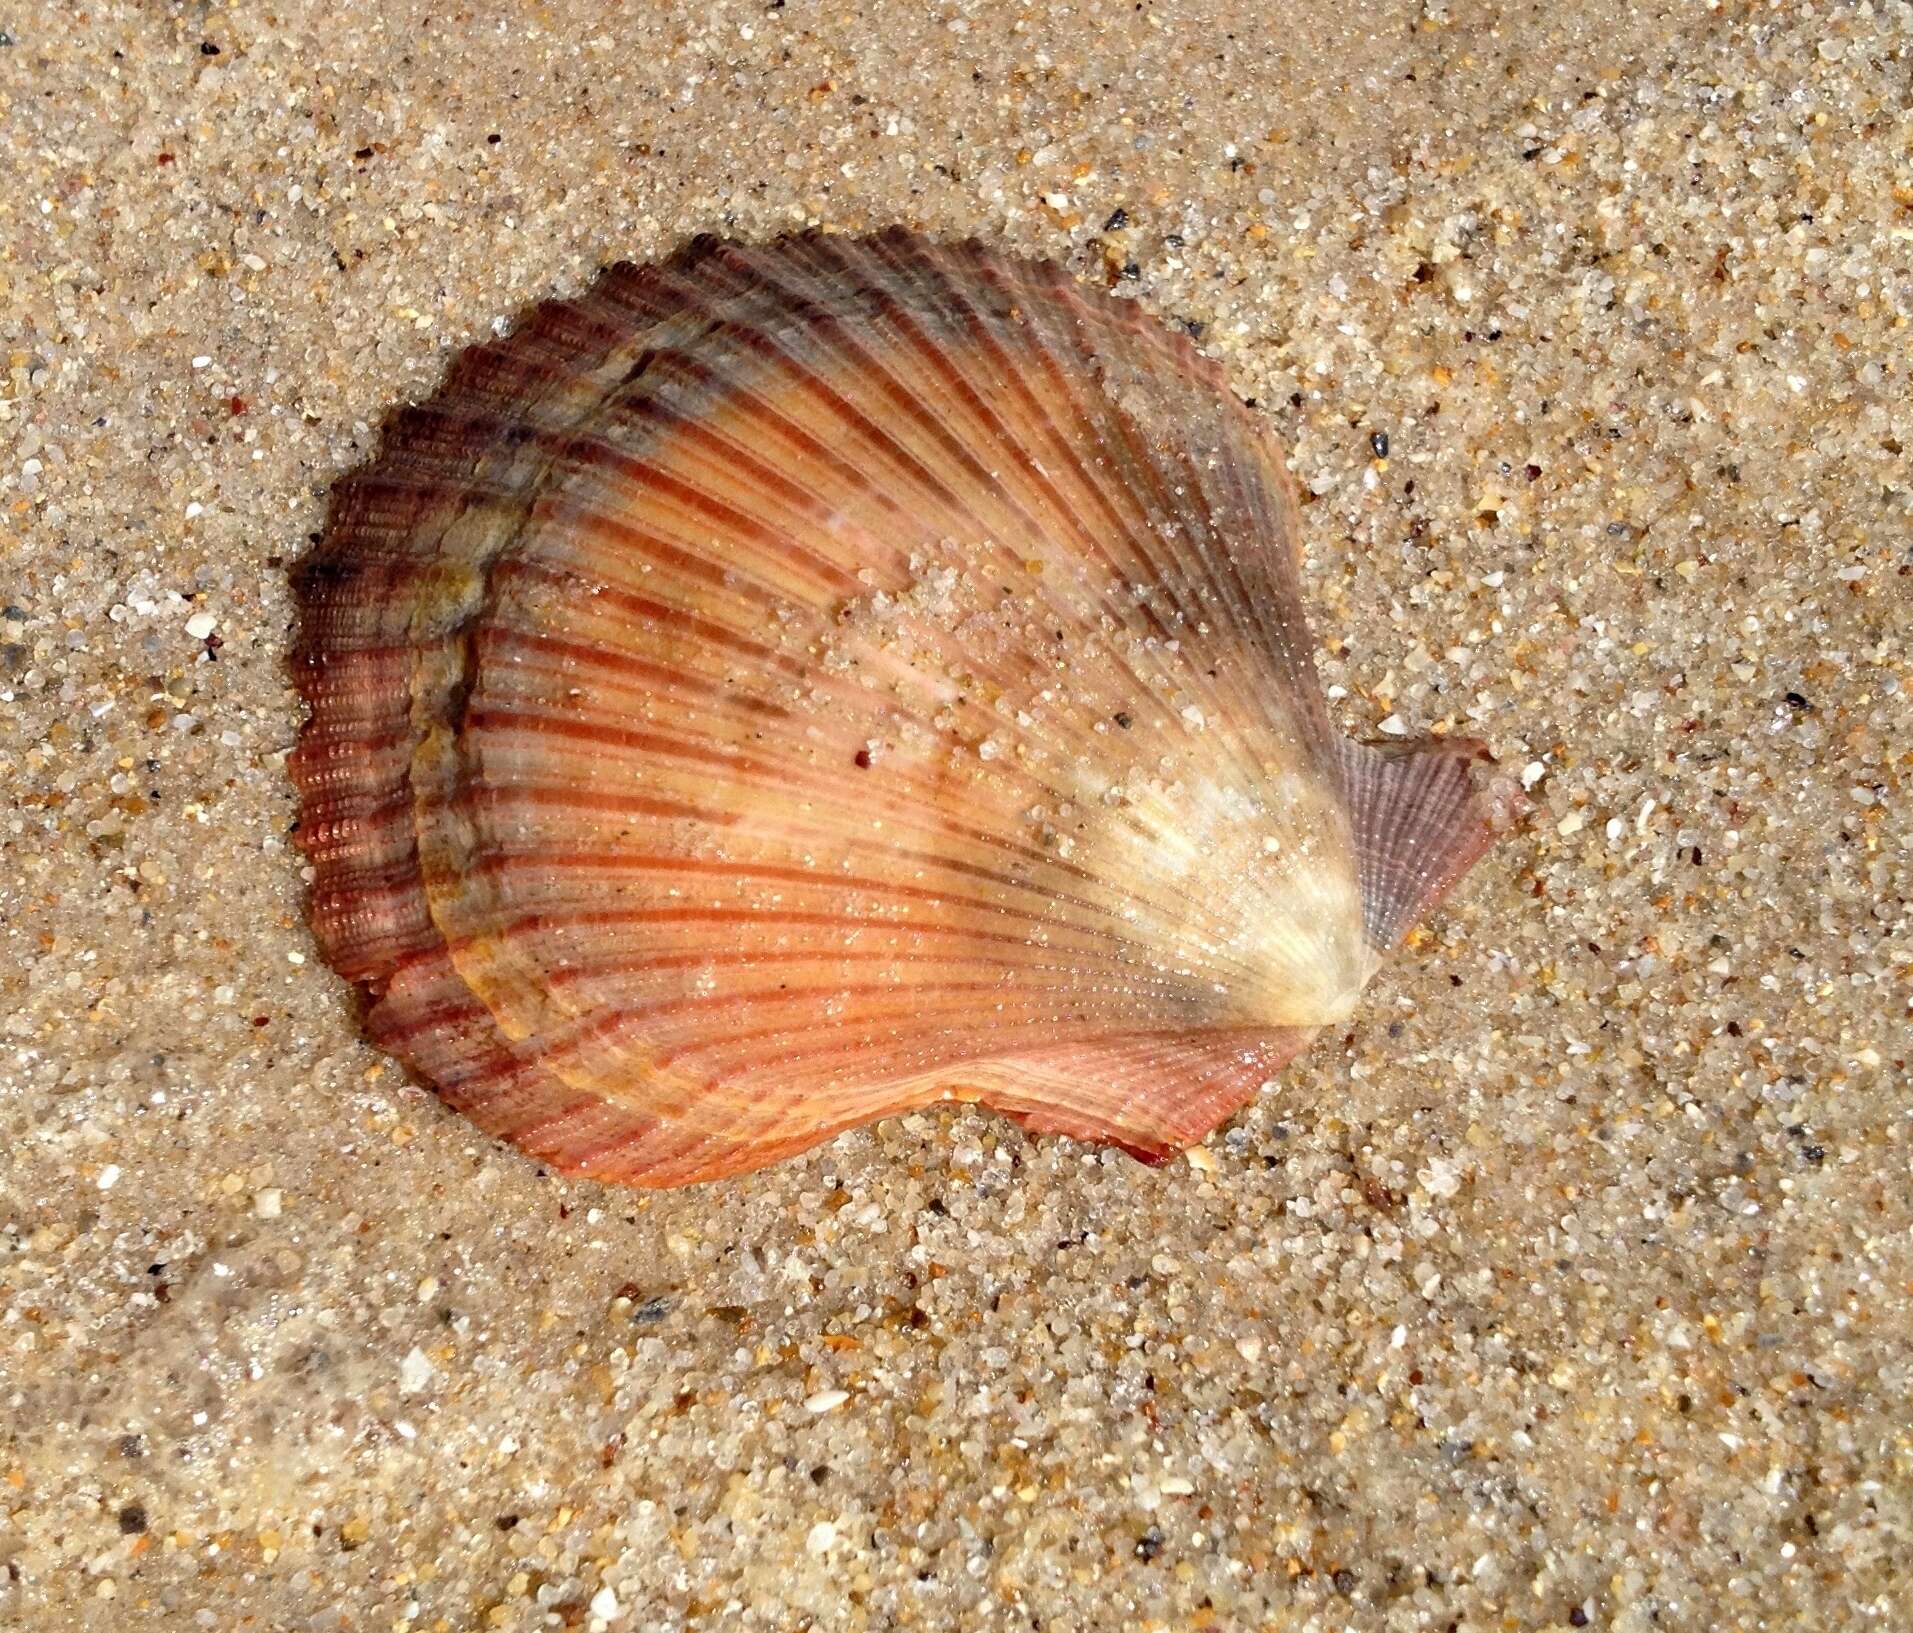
x: 416, y: 1372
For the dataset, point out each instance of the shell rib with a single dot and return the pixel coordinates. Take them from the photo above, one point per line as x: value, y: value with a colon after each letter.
x: 789, y: 685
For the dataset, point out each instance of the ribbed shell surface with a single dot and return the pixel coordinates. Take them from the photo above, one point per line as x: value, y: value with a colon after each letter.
x: 792, y: 684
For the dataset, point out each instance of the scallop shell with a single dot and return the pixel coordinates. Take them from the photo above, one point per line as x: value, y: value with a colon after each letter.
x: 790, y: 685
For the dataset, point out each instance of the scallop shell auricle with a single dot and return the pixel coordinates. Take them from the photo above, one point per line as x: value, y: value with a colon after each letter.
x: 793, y: 684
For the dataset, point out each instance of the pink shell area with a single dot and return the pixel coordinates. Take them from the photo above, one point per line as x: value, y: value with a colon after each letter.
x: 789, y: 685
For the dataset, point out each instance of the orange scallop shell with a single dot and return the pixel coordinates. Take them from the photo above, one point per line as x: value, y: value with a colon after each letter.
x: 788, y: 685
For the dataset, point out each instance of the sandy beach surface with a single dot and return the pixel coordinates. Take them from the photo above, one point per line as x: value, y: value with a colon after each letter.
x: 1570, y: 1287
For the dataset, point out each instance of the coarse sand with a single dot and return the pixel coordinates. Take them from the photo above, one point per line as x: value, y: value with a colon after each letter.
x: 1571, y: 1287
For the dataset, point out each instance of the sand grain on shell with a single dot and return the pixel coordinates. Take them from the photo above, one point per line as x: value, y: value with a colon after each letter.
x: 1571, y: 1287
